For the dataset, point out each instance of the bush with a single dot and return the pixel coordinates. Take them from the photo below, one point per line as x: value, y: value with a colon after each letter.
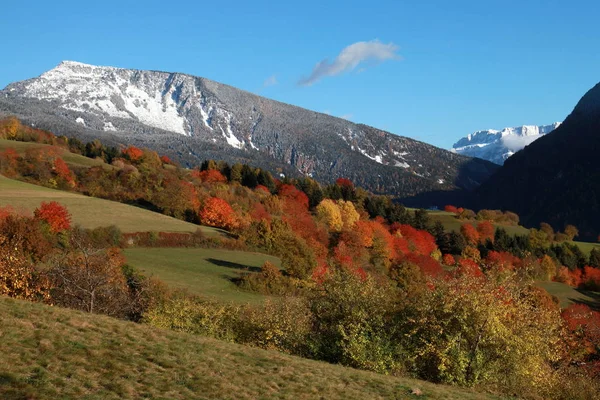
x: 283, y: 325
x: 194, y: 315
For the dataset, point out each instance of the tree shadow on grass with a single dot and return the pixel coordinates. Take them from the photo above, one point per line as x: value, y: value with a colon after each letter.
x: 229, y: 264
x: 594, y: 304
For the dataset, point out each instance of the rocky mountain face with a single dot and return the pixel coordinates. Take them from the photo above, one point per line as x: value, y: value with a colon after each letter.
x: 556, y: 179
x: 497, y: 146
x: 192, y: 118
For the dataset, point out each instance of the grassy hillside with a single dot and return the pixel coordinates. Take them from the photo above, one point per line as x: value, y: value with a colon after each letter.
x: 74, y: 160
x: 569, y: 295
x: 451, y: 223
x: 50, y: 353
x: 92, y: 212
x: 205, y: 272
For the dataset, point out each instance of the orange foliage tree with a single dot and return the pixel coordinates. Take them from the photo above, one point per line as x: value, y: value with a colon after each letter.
x: 217, y: 212
x: 132, y: 153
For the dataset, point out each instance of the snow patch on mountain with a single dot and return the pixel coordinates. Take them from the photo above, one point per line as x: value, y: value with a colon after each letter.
x: 498, y: 146
x: 114, y: 91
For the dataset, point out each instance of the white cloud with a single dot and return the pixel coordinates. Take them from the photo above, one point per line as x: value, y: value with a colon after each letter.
x: 346, y: 116
x: 350, y: 57
x: 515, y: 143
x: 270, y: 81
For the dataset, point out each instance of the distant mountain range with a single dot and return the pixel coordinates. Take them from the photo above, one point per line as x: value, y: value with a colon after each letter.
x: 191, y: 119
x: 497, y: 146
x: 555, y: 179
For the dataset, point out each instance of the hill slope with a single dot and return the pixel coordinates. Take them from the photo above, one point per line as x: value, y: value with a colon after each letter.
x: 556, y: 179
x: 50, y: 353
x: 91, y: 212
x: 191, y: 119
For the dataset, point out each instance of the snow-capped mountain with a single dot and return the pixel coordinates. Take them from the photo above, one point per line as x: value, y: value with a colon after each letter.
x: 192, y: 118
x: 497, y: 146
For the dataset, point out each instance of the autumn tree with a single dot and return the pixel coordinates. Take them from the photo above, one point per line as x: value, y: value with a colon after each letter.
x: 571, y: 231
x: 470, y: 330
x: 351, y: 324
x: 18, y: 276
x: 329, y: 213
x: 217, y: 212
x: 64, y: 175
x: 486, y: 231
x: 55, y: 215
x: 133, y: 154
x: 9, y: 128
x: 469, y: 232
x: 88, y: 278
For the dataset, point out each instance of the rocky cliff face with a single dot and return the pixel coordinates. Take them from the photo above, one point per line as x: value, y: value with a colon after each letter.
x: 497, y: 146
x: 192, y: 119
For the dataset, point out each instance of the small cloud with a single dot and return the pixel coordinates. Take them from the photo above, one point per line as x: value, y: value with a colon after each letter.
x: 328, y: 112
x: 516, y: 143
x: 346, y: 116
x: 350, y: 57
x: 270, y: 81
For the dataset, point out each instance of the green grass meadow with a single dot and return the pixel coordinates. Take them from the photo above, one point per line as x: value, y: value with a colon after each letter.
x: 568, y: 295
x: 204, y: 272
x: 91, y: 212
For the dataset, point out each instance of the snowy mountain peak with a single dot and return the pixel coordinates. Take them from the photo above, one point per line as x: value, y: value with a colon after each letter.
x: 192, y: 118
x: 497, y: 146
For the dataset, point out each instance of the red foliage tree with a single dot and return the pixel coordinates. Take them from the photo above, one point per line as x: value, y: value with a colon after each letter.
x: 486, y: 231
x: 467, y: 267
x: 55, y: 215
x: 429, y: 266
x: 259, y: 212
x: 451, y: 209
x: 591, y: 278
x: 210, y: 176
x: 291, y: 194
x: 166, y: 160
x: 470, y: 234
x: 584, y: 324
x: 500, y: 261
x: 217, y: 212
x: 344, y: 182
x: 448, y: 259
x: 420, y: 242
x: 61, y: 169
x: 132, y: 153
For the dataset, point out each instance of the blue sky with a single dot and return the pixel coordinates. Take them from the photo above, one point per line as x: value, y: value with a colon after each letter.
x: 430, y: 70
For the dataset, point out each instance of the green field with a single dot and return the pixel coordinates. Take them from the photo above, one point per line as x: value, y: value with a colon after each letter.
x: 54, y: 353
x: 70, y: 158
x: 91, y: 212
x: 205, y: 272
x: 568, y: 295
x: 452, y: 223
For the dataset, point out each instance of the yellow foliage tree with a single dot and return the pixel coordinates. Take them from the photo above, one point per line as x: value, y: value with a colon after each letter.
x: 329, y: 213
x: 349, y: 214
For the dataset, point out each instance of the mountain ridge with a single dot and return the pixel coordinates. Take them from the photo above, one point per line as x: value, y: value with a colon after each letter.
x: 193, y: 118
x: 557, y: 178
x: 498, y: 145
